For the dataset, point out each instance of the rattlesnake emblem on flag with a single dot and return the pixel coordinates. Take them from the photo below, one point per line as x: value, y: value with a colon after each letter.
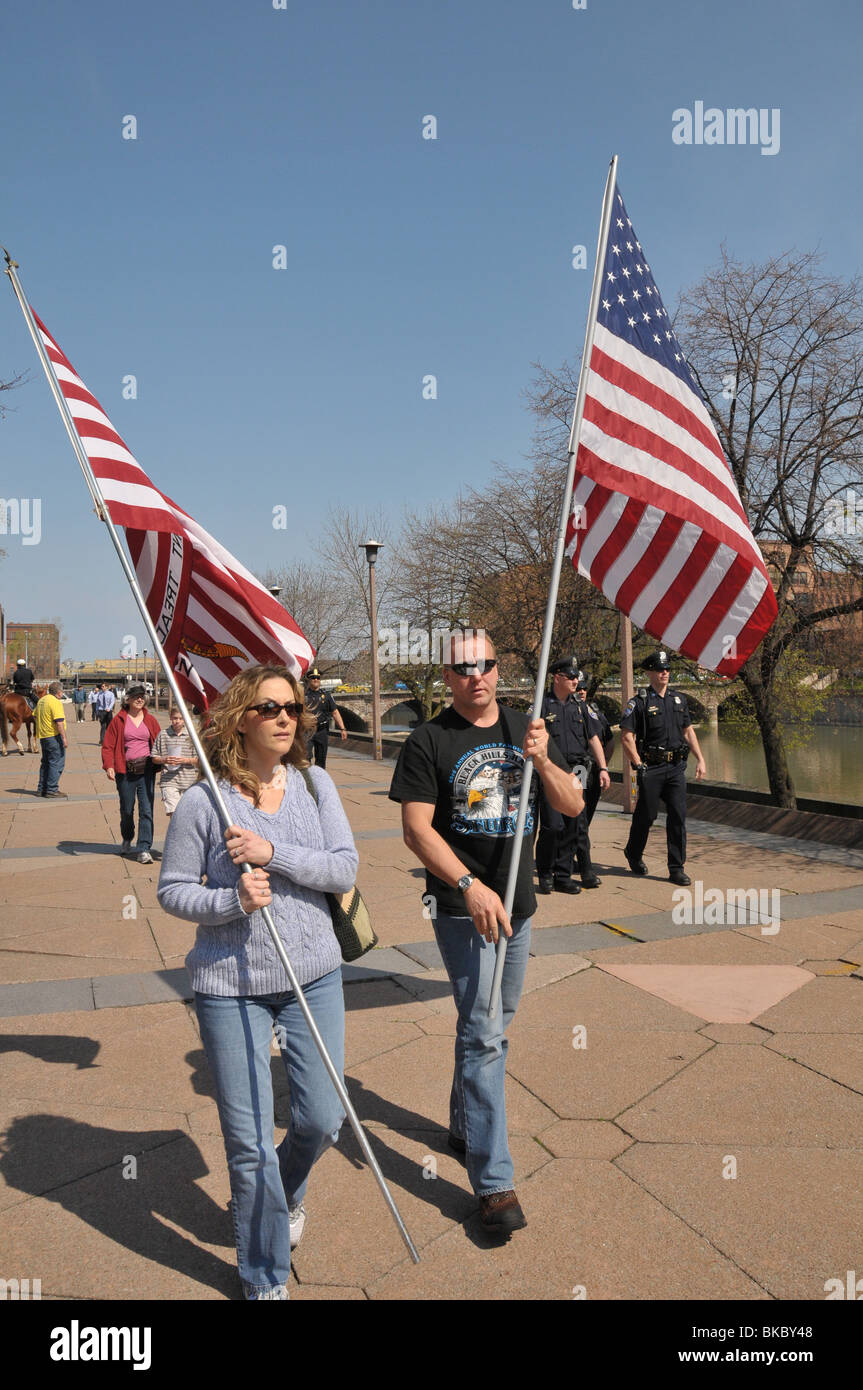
x: 215, y: 652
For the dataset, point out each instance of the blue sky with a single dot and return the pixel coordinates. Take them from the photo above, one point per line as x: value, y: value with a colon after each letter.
x: 406, y: 257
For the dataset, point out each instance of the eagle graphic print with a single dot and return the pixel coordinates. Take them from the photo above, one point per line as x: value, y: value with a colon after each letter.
x: 486, y: 785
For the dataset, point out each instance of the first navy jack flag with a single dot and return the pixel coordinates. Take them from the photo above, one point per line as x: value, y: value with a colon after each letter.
x: 212, y: 617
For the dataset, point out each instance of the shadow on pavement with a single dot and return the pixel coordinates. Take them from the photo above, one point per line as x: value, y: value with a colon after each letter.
x: 116, y: 1181
x: 362, y: 994
x: 53, y: 1047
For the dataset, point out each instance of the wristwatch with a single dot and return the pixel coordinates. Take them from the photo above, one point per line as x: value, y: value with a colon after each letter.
x: 465, y: 882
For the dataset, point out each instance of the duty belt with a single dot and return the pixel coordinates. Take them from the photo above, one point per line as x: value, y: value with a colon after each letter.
x: 655, y: 757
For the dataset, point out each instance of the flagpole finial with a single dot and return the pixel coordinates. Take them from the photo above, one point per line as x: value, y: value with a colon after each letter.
x: 9, y: 260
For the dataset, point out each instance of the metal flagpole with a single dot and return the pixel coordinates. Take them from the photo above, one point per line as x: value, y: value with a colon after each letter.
x: 602, y: 241
x: 104, y: 515
x: 627, y: 690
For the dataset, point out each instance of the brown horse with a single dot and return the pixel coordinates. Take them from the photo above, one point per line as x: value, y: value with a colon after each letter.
x: 16, y: 710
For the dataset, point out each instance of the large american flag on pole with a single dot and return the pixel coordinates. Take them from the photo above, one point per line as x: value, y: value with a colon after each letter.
x: 657, y: 523
x: 213, y: 618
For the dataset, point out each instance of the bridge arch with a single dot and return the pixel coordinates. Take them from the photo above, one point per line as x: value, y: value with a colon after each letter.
x: 353, y: 720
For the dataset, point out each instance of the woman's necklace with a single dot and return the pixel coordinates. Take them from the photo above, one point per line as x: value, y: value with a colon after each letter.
x: 277, y: 780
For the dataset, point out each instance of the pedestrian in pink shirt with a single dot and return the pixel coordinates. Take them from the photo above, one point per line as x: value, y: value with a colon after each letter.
x: 126, y: 758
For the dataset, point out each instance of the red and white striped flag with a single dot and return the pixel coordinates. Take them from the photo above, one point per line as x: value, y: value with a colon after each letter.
x: 657, y: 523
x: 212, y: 616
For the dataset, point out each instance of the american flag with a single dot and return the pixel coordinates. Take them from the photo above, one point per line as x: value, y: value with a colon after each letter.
x: 213, y: 618
x: 657, y: 523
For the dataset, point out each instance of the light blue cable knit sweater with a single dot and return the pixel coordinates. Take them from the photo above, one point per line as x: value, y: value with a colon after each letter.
x: 313, y: 854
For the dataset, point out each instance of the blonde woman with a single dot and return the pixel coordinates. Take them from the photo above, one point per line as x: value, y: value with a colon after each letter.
x: 256, y: 745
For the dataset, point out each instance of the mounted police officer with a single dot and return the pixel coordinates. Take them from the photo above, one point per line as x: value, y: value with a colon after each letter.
x: 321, y: 704
x: 577, y: 736
x: 602, y: 729
x: 22, y: 682
x: 657, y: 735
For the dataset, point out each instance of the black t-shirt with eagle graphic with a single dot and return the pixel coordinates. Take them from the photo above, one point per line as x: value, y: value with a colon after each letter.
x: 472, y: 776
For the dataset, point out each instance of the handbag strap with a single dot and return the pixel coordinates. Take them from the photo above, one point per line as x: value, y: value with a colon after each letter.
x: 310, y: 786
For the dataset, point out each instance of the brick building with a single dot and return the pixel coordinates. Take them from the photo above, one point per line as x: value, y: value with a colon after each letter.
x: 38, y: 643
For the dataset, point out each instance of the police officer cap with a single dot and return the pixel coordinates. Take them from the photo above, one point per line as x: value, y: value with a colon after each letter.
x: 567, y: 666
x: 21, y: 661
x: 657, y: 661
x: 313, y: 675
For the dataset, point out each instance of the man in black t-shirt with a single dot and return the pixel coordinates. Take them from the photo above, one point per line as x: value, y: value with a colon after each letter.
x: 459, y: 780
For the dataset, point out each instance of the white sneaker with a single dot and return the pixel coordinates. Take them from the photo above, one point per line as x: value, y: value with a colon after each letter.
x: 297, y: 1216
x: 145, y: 858
x: 278, y: 1291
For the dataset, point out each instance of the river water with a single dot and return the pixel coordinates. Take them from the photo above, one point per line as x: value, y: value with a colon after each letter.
x: 825, y: 760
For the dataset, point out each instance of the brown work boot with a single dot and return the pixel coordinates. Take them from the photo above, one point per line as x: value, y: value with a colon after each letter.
x: 500, y: 1213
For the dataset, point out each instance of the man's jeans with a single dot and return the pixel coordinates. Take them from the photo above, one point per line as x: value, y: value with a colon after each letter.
x: 53, y: 762
x: 143, y: 788
x: 477, y: 1105
x: 237, y: 1033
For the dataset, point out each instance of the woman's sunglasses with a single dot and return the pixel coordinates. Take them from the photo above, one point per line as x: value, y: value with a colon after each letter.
x: 270, y: 710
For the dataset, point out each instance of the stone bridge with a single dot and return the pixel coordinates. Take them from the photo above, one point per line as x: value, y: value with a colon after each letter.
x: 704, y: 698
x: 356, y: 709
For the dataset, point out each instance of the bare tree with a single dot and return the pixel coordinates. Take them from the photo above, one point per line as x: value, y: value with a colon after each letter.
x: 777, y: 349
x: 427, y: 597
x: 20, y: 380
x: 341, y: 549
x: 506, y: 547
x: 327, y: 610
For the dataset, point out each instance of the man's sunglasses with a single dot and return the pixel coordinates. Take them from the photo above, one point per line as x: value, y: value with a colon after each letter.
x: 270, y: 710
x: 474, y: 668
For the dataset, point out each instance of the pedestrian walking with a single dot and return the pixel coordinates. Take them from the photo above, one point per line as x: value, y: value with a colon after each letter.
x: 51, y: 733
x: 105, y: 703
x: 459, y: 780
x: 175, y: 753
x: 657, y: 736
x: 127, y: 761
x: 91, y: 701
x: 300, y: 847
x: 79, y: 700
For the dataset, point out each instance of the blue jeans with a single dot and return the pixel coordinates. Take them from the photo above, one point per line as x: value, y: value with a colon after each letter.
x: 477, y: 1104
x: 265, y: 1181
x: 52, y: 764
x: 143, y: 788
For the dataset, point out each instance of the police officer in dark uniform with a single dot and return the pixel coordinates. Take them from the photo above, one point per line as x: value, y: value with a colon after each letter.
x: 602, y: 729
x: 576, y: 735
x: 321, y: 704
x: 22, y: 682
x: 657, y: 735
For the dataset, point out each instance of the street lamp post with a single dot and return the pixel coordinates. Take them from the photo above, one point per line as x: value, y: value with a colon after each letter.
x: 371, y: 548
